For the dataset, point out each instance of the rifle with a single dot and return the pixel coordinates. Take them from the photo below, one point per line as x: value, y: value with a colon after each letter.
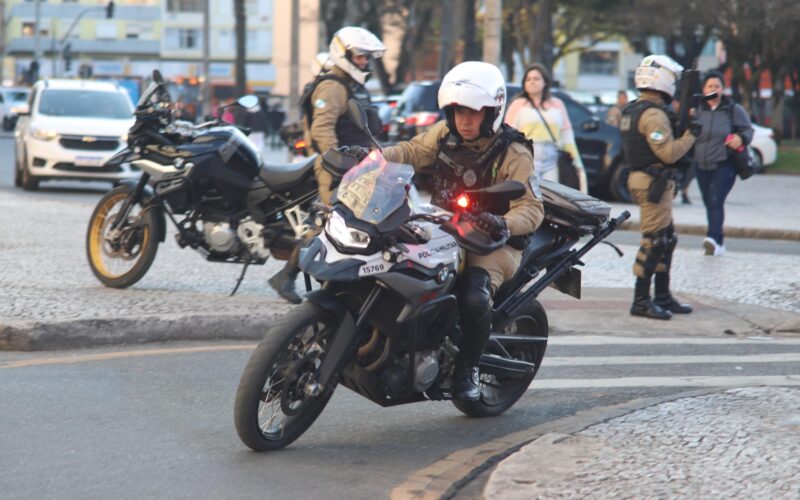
x: 690, y: 96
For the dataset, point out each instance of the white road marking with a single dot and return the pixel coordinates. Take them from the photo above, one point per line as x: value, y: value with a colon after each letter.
x: 607, y: 340
x: 699, y: 381
x: 669, y: 360
x: 83, y: 358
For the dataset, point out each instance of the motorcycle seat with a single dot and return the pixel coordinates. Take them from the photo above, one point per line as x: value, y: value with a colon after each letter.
x: 279, y: 176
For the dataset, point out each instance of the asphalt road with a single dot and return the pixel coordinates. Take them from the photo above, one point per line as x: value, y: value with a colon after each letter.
x: 157, y: 422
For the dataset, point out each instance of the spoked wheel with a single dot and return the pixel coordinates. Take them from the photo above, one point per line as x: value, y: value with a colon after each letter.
x: 278, y: 397
x: 499, y: 393
x: 120, y: 257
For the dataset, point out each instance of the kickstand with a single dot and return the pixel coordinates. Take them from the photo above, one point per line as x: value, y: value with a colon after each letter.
x: 307, y: 279
x: 615, y: 247
x: 241, y: 277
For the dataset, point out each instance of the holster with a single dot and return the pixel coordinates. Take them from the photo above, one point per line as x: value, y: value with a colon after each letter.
x: 661, y: 177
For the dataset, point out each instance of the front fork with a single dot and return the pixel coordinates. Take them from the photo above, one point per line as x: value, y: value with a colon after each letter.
x: 130, y: 200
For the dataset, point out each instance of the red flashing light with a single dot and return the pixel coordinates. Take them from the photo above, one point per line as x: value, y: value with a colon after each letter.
x: 463, y: 201
x: 373, y: 155
x: 300, y: 144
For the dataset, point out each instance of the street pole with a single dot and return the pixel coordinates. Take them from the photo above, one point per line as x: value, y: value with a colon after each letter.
x: 37, y: 54
x: 446, y: 39
x: 2, y: 40
x: 206, y: 88
x: 294, y: 64
x: 492, y: 23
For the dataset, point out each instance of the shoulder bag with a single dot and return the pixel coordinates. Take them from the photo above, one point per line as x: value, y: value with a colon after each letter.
x: 567, y: 171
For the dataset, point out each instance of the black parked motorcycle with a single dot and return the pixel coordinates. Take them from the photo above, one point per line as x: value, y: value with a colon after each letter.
x: 232, y: 207
x: 385, y: 321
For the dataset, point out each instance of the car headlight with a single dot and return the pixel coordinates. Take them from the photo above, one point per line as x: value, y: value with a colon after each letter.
x: 19, y: 109
x: 42, y: 134
x: 124, y: 138
x: 346, y: 236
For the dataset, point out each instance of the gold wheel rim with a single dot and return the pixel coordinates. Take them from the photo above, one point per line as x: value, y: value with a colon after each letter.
x: 97, y: 240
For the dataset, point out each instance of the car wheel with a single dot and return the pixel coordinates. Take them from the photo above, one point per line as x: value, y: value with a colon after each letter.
x: 618, y: 187
x: 17, y: 171
x: 29, y: 182
x: 758, y: 162
x: 6, y: 124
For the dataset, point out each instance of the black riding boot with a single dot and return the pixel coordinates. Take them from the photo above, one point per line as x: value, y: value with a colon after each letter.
x: 474, y: 303
x: 643, y: 306
x: 283, y: 281
x: 664, y: 298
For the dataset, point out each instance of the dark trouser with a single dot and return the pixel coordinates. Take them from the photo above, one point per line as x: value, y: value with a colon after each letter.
x: 475, y: 311
x: 714, y: 186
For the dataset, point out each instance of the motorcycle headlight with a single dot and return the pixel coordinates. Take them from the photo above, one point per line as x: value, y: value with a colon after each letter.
x: 43, y: 134
x: 346, y: 236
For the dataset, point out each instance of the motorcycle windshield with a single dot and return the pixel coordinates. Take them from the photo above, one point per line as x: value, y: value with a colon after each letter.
x: 375, y: 188
x: 143, y: 100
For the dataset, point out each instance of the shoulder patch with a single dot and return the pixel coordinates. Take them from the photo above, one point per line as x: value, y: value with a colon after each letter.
x: 657, y: 136
x: 319, y: 103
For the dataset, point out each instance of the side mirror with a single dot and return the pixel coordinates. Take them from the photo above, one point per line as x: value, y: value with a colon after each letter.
x: 590, y: 125
x: 359, y: 117
x: 248, y: 101
x: 157, y: 77
x: 357, y: 114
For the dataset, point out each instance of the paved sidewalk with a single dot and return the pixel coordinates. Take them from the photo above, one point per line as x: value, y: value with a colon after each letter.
x: 740, y: 443
x: 763, y: 206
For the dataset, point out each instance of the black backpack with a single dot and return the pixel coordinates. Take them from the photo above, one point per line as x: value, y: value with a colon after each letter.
x: 308, y: 90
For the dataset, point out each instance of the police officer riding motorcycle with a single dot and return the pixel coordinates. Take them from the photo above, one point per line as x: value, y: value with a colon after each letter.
x: 472, y: 149
x: 326, y: 123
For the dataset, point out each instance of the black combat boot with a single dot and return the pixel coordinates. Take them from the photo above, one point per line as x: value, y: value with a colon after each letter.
x: 466, y: 384
x: 664, y: 298
x: 643, y: 306
x: 283, y: 283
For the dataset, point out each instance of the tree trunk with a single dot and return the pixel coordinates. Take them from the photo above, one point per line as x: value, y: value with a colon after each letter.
x: 241, y: 47
x: 470, y: 46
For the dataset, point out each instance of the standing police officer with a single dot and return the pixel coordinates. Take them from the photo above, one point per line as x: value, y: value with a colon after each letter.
x: 651, y: 152
x: 471, y: 149
x: 326, y: 123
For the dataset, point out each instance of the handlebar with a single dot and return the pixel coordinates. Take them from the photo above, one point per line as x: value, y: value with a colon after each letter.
x: 617, y: 221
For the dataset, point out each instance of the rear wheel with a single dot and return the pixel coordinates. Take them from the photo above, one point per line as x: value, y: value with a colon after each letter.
x: 498, y: 394
x: 277, y: 398
x: 120, y: 257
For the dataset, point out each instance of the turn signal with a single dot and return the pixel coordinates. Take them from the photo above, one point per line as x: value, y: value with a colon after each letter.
x: 463, y: 201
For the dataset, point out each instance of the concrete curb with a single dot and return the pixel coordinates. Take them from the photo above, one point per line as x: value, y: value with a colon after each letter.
x: 97, y: 332
x: 730, y: 232
x: 445, y: 478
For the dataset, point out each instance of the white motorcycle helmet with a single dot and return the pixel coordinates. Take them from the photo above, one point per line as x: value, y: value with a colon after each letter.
x: 474, y: 85
x: 321, y: 63
x: 658, y: 73
x: 352, y: 41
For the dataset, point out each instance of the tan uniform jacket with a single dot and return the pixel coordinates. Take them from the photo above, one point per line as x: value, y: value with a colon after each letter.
x: 329, y: 102
x: 526, y: 213
x: 655, y: 126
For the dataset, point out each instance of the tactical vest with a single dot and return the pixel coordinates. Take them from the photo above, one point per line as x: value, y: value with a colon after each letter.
x: 346, y: 131
x: 635, y: 148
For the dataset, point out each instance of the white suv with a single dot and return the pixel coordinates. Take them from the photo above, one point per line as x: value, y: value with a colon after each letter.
x: 72, y: 128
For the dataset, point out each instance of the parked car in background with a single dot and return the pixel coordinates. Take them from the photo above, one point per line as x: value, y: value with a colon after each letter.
x: 385, y: 105
x: 13, y: 100
x: 599, y: 143
x: 765, y: 149
x: 72, y: 128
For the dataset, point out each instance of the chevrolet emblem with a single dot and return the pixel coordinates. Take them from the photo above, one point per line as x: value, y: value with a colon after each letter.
x: 89, y: 138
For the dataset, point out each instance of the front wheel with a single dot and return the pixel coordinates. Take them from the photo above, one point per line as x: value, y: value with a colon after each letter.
x: 120, y: 257
x: 498, y: 394
x: 277, y: 398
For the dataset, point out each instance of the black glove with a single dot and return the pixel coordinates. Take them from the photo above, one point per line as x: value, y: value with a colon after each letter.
x: 695, y: 127
x: 493, y: 224
x: 357, y: 152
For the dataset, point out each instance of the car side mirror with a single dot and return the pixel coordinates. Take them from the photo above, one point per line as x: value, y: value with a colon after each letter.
x: 590, y: 125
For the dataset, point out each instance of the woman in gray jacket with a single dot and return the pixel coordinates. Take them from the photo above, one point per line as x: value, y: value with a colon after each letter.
x: 726, y: 128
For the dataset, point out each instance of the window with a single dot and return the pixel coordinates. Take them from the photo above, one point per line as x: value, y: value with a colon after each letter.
x: 185, y: 5
x: 106, y: 30
x: 598, y: 62
x: 135, y: 31
x: 183, y: 39
x: 27, y: 30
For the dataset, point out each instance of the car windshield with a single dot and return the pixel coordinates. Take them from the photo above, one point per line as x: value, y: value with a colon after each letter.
x: 85, y: 104
x: 420, y: 97
x: 17, y: 96
x: 375, y: 188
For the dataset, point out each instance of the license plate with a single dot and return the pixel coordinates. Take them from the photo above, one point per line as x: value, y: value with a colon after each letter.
x: 89, y: 161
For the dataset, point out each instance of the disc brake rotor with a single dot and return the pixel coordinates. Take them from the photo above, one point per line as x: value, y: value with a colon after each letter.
x: 125, y: 244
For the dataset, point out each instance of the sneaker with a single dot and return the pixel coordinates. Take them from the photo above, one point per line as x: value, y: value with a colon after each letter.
x: 719, y: 251
x: 710, y: 246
